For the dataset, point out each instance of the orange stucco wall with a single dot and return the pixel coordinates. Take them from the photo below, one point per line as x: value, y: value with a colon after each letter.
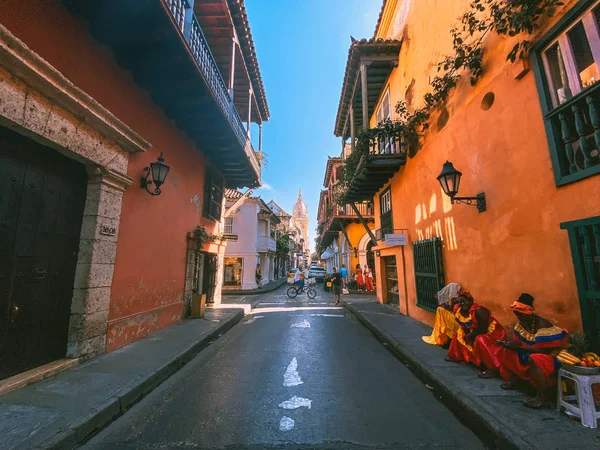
x: 517, y: 244
x: 149, y: 272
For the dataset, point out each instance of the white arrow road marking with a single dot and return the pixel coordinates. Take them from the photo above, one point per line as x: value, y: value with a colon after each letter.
x: 296, y: 402
x: 286, y: 423
x: 303, y: 324
x: 291, y: 377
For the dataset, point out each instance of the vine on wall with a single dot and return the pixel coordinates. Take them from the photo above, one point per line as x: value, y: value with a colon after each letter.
x: 483, y: 17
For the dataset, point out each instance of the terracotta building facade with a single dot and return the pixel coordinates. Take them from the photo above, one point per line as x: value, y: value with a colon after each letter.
x: 525, y: 135
x: 91, y: 94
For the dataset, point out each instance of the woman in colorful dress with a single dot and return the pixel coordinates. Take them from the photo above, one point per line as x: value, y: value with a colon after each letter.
x: 368, y: 276
x: 360, y: 279
x: 474, y: 322
x: 530, y: 356
x: 445, y: 324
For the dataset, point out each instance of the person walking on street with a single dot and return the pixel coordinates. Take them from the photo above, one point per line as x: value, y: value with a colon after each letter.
x: 258, y: 276
x: 360, y: 279
x: 368, y: 275
x: 336, y: 285
x: 344, y: 273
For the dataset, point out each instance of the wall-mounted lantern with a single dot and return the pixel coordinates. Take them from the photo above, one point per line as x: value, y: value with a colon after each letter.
x: 159, y: 171
x: 449, y: 178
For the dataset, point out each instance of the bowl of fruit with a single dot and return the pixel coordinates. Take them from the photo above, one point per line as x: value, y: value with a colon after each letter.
x: 575, y: 359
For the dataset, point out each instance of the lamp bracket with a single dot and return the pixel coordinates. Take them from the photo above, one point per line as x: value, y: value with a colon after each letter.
x: 478, y: 201
x: 145, y: 183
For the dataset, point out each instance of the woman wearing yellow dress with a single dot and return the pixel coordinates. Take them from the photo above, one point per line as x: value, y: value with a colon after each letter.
x: 445, y: 323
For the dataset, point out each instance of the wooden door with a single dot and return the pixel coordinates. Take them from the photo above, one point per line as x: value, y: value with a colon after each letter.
x: 42, y: 195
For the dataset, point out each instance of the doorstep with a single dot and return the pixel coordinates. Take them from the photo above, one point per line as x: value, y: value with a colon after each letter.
x: 37, y: 374
x: 497, y: 416
x: 65, y: 410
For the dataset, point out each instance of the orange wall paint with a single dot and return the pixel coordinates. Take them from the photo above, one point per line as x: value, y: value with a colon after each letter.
x: 149, y: 272
x: 517, y: 244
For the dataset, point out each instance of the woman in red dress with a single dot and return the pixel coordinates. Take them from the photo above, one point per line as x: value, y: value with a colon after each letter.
x: 530, y: 356
x: 368, y: 276
x: 360, y: 279
x: 475, y: 322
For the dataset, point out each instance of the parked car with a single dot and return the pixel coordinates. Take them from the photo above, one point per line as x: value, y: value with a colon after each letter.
x: 318, y: 273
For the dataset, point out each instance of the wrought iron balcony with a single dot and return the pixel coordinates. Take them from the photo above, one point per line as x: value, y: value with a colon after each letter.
x: 162, y: 44
x: 266, y: 244
x: 386, y: 154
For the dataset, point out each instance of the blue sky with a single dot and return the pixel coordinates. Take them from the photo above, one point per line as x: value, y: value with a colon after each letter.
x: 302, y: 47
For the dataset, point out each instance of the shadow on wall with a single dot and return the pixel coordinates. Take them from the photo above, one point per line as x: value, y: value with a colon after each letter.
x: 447, y: 232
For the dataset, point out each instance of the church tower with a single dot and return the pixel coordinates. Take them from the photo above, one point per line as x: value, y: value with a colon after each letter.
x: 300, y: 214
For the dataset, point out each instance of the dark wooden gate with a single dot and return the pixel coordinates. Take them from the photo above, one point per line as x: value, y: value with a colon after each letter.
x: 429, y: 271
x: 584, y: 237
x: 210, y: 277
x: 42, y: 196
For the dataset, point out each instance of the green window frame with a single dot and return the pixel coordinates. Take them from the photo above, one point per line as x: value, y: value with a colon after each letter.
x: 430, y: 275
x: 213, y: 196
x: 571, y: 103
x: 386, y: 219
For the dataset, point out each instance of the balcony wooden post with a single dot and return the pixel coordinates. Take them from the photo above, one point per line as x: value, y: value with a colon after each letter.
x: 250, y: 93
x: 352, y: 130
x: 363, y: 223
x: 232, y: 68
x: 365, y: 95
x: 260, y: 137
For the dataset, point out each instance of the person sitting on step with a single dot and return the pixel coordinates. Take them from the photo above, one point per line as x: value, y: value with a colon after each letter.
x: 445, y: 325
x: 530, y: 356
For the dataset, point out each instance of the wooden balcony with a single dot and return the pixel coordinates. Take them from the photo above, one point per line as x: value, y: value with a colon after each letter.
x: 341, y: 216
x: 265, y: 244
x: 574, y: 132
x: 162, y: 44
x: 387, y: 153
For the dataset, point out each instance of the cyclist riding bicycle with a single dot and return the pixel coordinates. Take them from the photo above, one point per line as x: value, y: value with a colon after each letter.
x: 299, y: 278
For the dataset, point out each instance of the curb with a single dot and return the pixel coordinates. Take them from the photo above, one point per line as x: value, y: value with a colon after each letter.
x: 461, y: 406
x: 87, y: 426
x: 254, y: 291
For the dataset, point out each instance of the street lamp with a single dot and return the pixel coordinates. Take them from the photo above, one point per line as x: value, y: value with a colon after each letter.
x: 449, y: 178
x: 159, y: 171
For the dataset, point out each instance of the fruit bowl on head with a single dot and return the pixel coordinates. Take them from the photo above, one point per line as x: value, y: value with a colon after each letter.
x: 581, y: 370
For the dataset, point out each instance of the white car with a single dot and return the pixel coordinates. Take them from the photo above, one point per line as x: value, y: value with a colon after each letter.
x: 318, y: 273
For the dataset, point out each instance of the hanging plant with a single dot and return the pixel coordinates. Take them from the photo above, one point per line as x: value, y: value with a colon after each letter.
x: 202, y: 236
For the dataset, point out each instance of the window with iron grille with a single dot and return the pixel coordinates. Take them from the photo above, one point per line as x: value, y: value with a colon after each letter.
x: 584, y: 238
x: 385, y: 211
x: 567, y: 67
x: 213, y: 196
x: 429, y: 271
x: 228, y: 225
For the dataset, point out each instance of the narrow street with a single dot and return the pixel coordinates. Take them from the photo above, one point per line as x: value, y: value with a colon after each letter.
x: 343, y: 389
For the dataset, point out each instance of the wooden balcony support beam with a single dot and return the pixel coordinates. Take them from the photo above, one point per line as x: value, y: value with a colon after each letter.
x: 363, y: 223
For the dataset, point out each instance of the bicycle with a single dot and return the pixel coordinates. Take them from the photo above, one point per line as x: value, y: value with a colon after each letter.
x: 293, y: 291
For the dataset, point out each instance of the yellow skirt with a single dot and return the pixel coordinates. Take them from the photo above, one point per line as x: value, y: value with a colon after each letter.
x: 444, y: 328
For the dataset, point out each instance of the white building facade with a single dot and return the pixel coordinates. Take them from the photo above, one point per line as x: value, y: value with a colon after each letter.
x: 253, y: 222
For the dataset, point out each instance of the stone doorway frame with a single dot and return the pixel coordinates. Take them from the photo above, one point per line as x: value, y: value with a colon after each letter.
x: 37, y: 101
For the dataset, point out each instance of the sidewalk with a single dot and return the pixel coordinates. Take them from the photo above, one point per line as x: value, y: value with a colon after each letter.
x: 269, y: 287
x: 63, y: 411
x: 497, y: 416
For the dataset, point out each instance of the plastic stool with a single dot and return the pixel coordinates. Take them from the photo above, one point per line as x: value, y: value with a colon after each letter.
x: 586, y: 408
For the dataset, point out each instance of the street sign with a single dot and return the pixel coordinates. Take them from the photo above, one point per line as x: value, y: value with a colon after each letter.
x: 230, y: 237
x: 395, y: 239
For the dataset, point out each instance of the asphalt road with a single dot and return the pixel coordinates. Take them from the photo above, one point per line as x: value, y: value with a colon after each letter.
x: 342, y: 388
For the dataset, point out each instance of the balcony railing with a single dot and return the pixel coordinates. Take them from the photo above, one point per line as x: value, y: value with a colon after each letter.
x: 199, y: 47
x: 365, y: 209
x: 265, y: 244
x: 387, y: 143
x: 576, y: 129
